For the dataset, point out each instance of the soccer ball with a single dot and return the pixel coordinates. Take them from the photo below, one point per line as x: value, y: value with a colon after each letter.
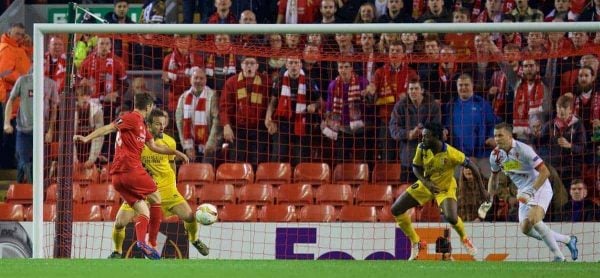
x: 206, y: 214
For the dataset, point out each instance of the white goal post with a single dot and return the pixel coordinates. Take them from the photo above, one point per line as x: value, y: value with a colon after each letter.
x: 43, y: 29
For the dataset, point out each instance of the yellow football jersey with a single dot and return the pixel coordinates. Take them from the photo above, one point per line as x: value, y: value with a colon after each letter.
x: 439, y: 168
x: 159, y: 165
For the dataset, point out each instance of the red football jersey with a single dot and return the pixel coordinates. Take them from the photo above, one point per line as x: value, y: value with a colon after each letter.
x: 130, y: 141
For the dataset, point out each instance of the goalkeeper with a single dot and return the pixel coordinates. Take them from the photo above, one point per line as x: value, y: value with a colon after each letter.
x: 162, y: 169
x: 527, y: 171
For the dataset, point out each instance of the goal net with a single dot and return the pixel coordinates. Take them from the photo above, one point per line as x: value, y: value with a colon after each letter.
x: 304, y: 137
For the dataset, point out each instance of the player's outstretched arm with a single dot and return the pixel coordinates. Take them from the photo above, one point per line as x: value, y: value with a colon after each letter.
x: 166, y: 150
x: 101, y: 131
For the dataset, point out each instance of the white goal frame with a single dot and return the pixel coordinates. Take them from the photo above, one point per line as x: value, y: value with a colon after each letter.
x: 41, y: 29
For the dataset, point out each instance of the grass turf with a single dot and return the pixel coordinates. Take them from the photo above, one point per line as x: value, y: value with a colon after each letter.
x: 305, y: 269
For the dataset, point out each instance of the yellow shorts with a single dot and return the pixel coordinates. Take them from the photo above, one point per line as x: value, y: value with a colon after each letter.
x: 420, y: 193
x: 169, y: 196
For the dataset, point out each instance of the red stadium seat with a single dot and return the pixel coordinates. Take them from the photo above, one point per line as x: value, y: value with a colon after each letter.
x: 87, y: 212
x: 83, y: 175
x: 238, y: 213
x: 385, y: 215
x: 374, y: 195
x: 109, y: 213
x: 334, y: 194
x: 11, y: 212
x: 256, y: 194
x: 430, y: 212
x: 401, y: 189
x: 358, y: 214
x: 196, y: 174
x: 52, y: 194
x: 216, y: 194
x: 295, y: 194
x: 188, y: 192
x: 49, y: 213
x: 313, y: 173
x: 235, y: 173
x: 20, y: 193
x: 317, y: 213
x: 278, y: 213
x: 103, y: 194
x: 387, y: 173
x: 351, y: 173
x: 274, y: 173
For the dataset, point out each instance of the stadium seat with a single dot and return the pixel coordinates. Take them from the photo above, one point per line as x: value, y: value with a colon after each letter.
x: 52, y: 194
x: 238, y: 213
x: 385, y: 215
x: 109, y: 213
x: 278, y: 213
x: 295, y: 194
x: 334, y: 194
x: 358, y: 214
x: 401, y: 189
x: 351, y: 173
x: 387, y: 173
x: 235, y: 173
x: 196, y: 174
x: 374, y: 195
x: 103, y: 194
x: 84, y: 176
x: 49, y: 212
x: 87, y: 212
x: 104, y: 175
x: 20, y: 193
x: 274, y: 173
x: 256, y: 194
x: 188, y: 192
x: 430, y: 212
x: 11, y: 212
x: 313, y: 173
x: 317, y: 213
x: 216, y: 194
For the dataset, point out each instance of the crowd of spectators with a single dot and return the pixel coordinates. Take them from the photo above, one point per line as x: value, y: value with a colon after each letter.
x: 345, y: 97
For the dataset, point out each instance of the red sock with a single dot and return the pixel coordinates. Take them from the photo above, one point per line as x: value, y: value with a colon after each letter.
x: 141, y: 228
x: 155, y: 219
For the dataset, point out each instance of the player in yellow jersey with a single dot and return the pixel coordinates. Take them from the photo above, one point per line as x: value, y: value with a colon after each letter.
x: 162, y: 169
x: 434, y: 165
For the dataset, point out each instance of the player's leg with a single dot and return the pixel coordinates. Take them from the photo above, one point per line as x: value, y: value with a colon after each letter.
x: 399, y: 210
x: 185, y: 213
x: 124, y: 216
x: 156, y: 216
x: 534, y: 221
x: 450, y: 209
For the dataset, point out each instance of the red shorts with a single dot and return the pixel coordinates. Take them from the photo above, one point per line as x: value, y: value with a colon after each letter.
x: 134, y: 186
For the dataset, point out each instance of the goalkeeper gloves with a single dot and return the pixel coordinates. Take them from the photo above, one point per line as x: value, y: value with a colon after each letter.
x: 484, y: 208
x: 526, y: 195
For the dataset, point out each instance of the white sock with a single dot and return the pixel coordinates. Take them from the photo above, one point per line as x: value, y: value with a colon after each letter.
x: 534, y: 234
x: 560, y: 237
x: 548, y: 238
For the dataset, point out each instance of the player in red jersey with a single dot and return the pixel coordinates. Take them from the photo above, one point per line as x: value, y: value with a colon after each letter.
x: 129, y: 177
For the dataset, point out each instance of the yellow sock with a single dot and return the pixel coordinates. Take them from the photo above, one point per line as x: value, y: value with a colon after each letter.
x: 118, y: 236
x: 460, y: 228
x: 192, y: 230
x: 406, y: 226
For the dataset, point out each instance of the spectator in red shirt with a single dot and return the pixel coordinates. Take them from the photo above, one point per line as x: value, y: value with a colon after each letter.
x: 55, y: 63
x: 297, y: 11
x: 223, y: 15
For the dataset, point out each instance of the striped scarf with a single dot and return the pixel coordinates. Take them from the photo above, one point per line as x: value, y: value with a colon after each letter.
x: 527, y: 102
x: 228, y: 69
x: 195, y: 119
x: 284, y: 106
x: 338, y: 94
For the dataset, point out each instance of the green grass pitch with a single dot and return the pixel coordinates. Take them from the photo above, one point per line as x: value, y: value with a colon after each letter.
x: 305, y: 269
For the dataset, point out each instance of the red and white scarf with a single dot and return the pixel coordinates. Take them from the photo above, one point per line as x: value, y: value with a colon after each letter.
x: 284, y: 105
x: 195, y: 119
x: 527, y: 102
x: 561, y: 125
x: 228, y: 69
x: 354, y: 96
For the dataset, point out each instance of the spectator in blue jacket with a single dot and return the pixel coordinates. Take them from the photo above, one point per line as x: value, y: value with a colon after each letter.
x: 470, y: 122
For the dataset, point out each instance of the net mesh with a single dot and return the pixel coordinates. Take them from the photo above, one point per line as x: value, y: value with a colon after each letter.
x: 323, y: 129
